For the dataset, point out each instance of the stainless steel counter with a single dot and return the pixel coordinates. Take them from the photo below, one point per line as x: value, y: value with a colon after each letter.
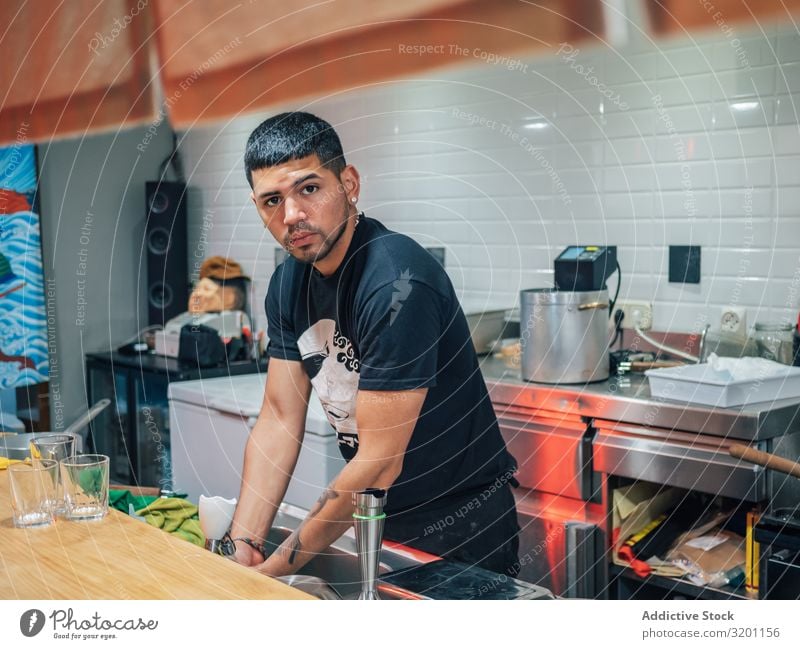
x: 629, y: 400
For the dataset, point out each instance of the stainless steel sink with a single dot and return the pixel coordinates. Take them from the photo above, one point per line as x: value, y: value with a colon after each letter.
x: 338, y: 565
x: 335, y: 566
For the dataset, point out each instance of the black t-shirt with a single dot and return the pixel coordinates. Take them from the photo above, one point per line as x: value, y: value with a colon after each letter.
x: 389, y: 319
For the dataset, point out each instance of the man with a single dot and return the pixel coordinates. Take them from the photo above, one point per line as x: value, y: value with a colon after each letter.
x: 369, y: 319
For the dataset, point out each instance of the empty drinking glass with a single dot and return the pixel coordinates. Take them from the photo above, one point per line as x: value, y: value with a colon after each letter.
x: 774, y: 341
x: 85, y: 479
x: 54, y: 447
x: 33, y: 492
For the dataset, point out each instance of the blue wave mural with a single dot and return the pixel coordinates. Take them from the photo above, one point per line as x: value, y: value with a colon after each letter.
x: 18, y: 168
x: 23, y: 317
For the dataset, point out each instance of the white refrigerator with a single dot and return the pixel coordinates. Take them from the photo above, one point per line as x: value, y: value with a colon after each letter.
x: 210, y: 421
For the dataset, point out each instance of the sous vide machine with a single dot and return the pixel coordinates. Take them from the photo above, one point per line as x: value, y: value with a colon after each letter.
x: 564, y: 332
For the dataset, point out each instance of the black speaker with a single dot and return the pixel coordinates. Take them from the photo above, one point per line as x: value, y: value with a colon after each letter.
x: 165, y: 247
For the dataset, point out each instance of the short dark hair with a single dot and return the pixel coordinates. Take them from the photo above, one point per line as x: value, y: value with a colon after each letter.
x: 291, y: 136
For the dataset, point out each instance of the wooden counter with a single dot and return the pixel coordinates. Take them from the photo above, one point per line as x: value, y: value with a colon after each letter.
x: 118, y: 558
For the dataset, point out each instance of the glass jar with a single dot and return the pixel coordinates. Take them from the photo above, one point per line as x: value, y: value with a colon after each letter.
x: 774, y: 341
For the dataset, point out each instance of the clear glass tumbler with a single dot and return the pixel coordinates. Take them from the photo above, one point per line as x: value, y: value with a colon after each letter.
x: 33, y: 492
x: 55, y: 446
x: 85, y: 480
x: 774, y: 341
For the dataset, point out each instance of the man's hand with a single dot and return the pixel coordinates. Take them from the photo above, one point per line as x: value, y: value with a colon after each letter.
x: 290, y: 549
x: 385, y: 422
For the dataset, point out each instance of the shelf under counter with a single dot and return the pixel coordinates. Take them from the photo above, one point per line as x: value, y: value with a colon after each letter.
x: 676, y: 585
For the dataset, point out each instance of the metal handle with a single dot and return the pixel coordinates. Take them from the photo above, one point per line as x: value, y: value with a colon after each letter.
x: 84, y: 419
x: 593, y: 305
x: 701, y: 347
x: 769, y: 460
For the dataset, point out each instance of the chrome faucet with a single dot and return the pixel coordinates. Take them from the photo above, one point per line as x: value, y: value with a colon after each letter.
x: 368, y: 519
x: 701, y: 347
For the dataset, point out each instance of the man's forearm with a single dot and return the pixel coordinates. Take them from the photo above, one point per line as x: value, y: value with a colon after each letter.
x: 330, y: 517
x: 269, y: 460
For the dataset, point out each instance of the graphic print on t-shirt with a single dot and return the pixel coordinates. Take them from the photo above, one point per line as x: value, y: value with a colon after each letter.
x: 331, y: 364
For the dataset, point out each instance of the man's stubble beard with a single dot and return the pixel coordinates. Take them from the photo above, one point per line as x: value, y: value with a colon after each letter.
x: 328, y: 243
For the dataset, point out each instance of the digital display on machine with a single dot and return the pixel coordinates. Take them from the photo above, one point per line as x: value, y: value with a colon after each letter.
x: 573, y: 253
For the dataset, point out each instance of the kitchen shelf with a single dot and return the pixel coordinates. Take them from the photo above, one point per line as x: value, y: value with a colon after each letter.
x: 675, y: 585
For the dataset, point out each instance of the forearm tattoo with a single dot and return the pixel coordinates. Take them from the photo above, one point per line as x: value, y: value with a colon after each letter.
x: 329, y: 494
x: 293, y: 545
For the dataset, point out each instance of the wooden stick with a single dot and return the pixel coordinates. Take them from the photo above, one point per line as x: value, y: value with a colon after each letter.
x: 138, y: 491
x: 768, y: 460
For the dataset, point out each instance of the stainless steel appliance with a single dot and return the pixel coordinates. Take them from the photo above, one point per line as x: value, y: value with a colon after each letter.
x: 584, y: 268
x: 485, y: 327
x: 564, y: 336
x: 778, y: 532
x: 455, y: 580
x: 561, y: 542
x: 564, y: 331
x: 553, y: 449
x: 677, y: 458
x: 368, y: 520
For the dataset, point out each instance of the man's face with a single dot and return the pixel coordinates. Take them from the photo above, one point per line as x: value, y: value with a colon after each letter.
x: 304, y: 205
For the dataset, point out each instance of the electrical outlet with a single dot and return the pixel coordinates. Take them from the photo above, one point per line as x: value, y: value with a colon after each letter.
x: 636, y: 314
x: 733, y: 320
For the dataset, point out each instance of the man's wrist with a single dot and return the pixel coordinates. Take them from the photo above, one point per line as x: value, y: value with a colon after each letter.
x: 237, y: 530
x: 229, y: 541
x: 259, y: 547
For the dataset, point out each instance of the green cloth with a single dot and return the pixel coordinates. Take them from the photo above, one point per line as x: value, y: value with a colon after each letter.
x: 176, y: 516
x: 121, y: 499
x: 173, y: 515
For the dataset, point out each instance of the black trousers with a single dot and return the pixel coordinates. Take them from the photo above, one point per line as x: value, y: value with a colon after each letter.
x: 479, y: 528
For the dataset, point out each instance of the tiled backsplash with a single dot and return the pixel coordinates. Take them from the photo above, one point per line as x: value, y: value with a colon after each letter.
x: 691, y: 142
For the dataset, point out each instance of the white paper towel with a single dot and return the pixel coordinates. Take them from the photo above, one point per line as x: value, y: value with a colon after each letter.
x: 745, y: 369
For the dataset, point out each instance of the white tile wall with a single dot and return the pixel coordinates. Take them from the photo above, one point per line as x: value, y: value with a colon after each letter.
x: 597, y: 172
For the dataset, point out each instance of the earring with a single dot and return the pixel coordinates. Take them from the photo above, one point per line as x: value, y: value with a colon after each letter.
x: 354, y: 199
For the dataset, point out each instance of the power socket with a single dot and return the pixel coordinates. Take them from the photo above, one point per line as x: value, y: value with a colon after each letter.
x: 733, y: 320
x: 636, y: 314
